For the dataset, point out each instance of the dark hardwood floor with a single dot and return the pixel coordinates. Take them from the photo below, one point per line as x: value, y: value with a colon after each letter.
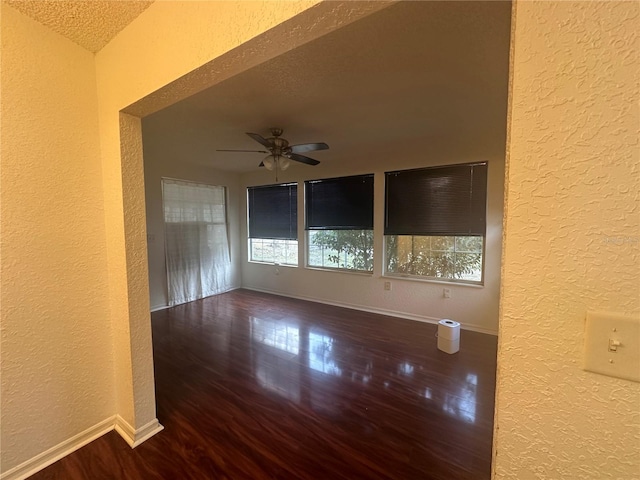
x: 255, y: 386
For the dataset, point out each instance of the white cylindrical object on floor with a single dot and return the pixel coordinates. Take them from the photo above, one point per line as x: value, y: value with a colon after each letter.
x: 448, y: 346
x: 448, y: 336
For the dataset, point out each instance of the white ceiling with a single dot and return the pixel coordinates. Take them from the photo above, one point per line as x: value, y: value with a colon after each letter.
x: 395, y: 82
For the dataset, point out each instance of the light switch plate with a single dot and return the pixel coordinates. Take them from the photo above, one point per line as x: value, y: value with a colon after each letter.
x: 612, y: 345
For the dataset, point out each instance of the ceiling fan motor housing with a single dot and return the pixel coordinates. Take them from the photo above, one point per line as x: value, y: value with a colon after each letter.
x: 280, y: 146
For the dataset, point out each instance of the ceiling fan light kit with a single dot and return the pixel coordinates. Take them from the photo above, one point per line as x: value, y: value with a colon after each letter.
x: 272, y: 161
x: 280, y: 152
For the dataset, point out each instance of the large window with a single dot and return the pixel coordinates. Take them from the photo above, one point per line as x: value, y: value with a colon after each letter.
x: 196, y: 242
x: 339, y: 222
x: 435, y: 222
x: 273, y: 231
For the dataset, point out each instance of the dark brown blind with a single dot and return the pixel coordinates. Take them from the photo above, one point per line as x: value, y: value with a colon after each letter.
x: 273, y: 211
x: 449, y: 200
x: 344, y: 203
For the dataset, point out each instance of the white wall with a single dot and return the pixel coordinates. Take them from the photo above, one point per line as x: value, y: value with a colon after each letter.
x: 186, y: 161
x: 57, y: 358
x: 476, y: 307
x: 572, y: 241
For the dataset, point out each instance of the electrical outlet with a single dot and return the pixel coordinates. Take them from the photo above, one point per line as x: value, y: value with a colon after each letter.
x: 387, y: 286
x: 446, y: 293
x: 612, y: 345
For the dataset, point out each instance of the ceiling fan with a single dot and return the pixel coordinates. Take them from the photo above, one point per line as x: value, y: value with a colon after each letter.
x: 280, y: 152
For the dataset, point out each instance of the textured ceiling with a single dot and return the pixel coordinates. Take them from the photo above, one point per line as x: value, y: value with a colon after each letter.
x: 89, y: 23
x: 393, y: 83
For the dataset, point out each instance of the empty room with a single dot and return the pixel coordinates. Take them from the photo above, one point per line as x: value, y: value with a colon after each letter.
x: 380, y: 240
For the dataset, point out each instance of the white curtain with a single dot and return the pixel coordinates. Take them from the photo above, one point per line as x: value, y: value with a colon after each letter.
x: 196, y: 240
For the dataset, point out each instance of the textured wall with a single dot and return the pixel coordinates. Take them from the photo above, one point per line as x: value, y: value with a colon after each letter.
x: 572, y: 241
x: 57, y: 366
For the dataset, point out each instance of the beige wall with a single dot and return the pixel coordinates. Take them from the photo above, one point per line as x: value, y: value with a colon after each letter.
x: 57, y: 362
x: 574, y: 126
x: 573, y: 190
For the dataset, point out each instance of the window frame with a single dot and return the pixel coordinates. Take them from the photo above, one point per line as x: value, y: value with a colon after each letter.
x: 484, y: 196
x: 293, y: 225
x: 341, y: 221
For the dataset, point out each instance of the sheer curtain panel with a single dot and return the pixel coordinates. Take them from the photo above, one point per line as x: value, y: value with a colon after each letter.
x: 196, y: 240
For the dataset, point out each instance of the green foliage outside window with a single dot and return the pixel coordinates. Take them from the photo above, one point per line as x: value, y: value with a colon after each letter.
x: 347, y: 249
x: 445, y: 257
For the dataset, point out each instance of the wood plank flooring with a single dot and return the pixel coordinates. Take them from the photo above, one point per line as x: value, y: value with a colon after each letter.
x: 256, y: 386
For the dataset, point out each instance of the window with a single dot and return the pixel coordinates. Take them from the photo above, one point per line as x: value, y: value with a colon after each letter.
x: 435, y: 222
x: 196, y: 241
x: 339, y: 222
x: 273, y: 219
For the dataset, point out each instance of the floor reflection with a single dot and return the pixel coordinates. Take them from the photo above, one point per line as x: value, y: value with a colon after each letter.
x: 298, y: 362
x: 463, y: 405
x: 321, y: 354
x: 276, y: 344
x: 405, y: 369
x: 277, y: 333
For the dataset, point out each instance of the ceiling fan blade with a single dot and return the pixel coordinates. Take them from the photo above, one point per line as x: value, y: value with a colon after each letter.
x: 308, y: 147
x: 250, y: 151
x: 302, y: 159
x: 260, y: 139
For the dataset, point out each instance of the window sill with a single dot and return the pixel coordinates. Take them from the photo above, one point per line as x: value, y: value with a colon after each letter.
x: 441, y: 281
x: 273, y: 264
x: 340, y: 270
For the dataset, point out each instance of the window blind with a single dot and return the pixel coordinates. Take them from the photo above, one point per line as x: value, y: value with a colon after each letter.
x: 344, y: 203
x: 273, y: 211
x: 447, y: 200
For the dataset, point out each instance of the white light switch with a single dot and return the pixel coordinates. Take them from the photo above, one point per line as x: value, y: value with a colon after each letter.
x: 612, y: 345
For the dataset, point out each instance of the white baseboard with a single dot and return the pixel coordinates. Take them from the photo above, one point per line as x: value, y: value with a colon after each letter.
x: 381, y: 311
x: 164, y: 307
x: 135, y: 437
x: 63, y: 449
x: 43, y: 460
